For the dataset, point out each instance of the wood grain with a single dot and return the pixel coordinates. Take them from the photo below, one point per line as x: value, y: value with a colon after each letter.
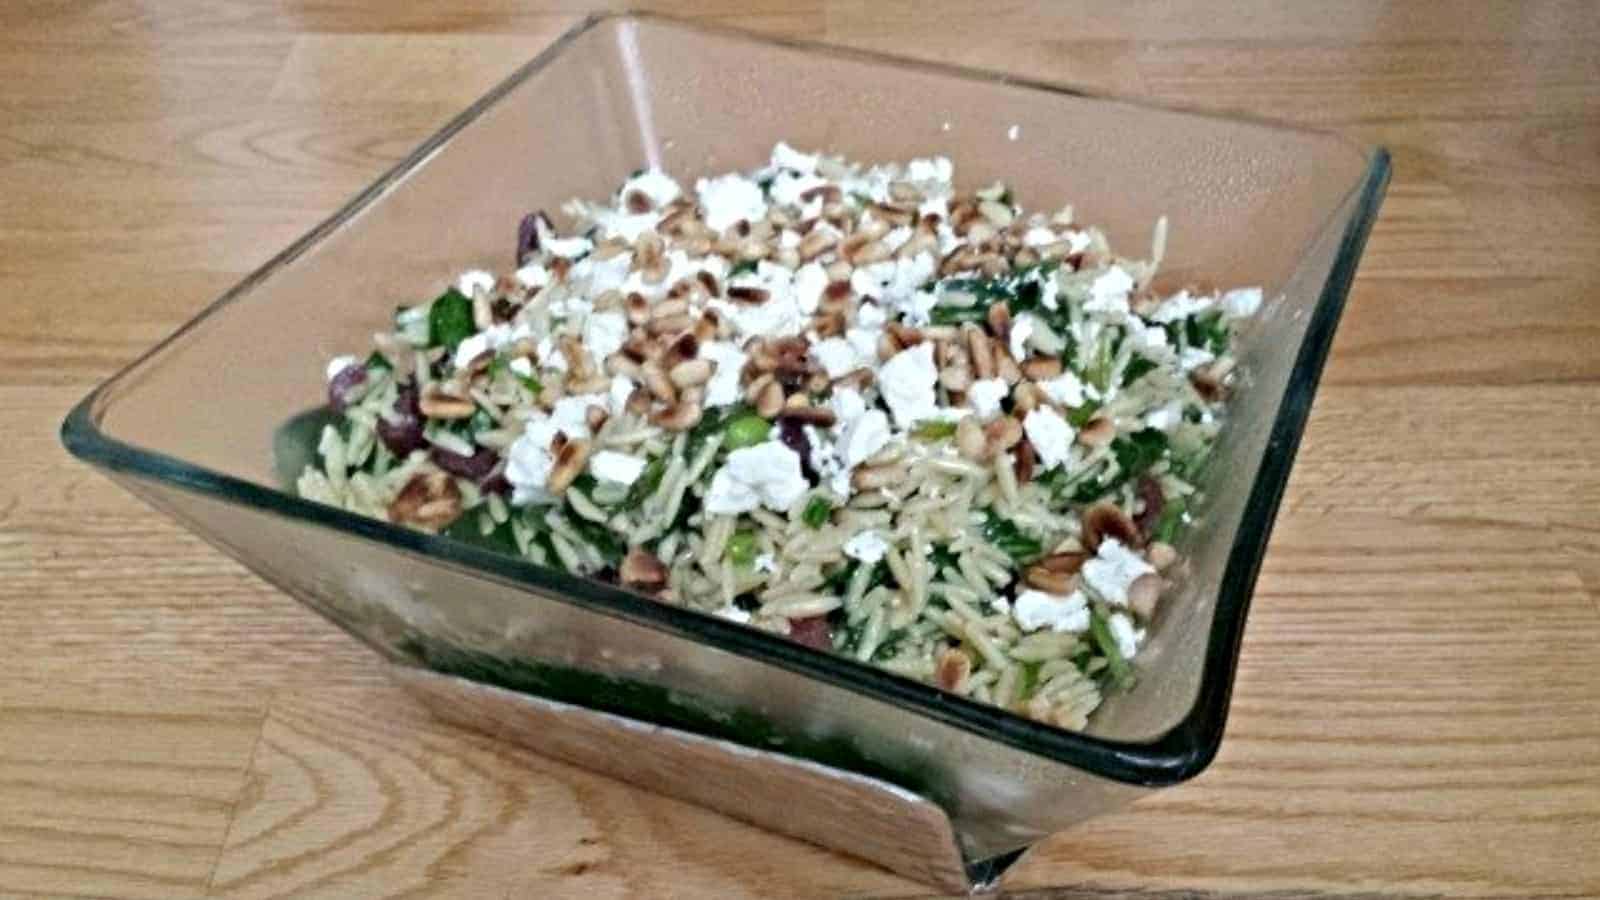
x: 1417, y: 711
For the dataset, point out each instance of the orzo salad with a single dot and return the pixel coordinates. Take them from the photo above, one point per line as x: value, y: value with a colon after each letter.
x: 922, y: 428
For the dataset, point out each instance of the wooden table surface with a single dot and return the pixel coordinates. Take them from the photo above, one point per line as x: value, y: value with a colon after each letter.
x: 1418, y: 706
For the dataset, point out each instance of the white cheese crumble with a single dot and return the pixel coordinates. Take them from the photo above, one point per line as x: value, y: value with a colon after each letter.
x: 787, y: 157
x: 475, y: 281
x: 723, y: 388
x: 521, y: 367
x: 1050, y: 435
x: 733, y: 614
x: 622, y: 468
x: 730, y: 198
x: 1123, y: 632
x: 1112, y: 570
x: 767, y: 474
x: 570, y: 248
x: 1022, y: 328
x: 867, y: 546
x: 660, y: 187
x: 985, y: 396
x: 1108, y: 294
x: 1194, y: 357
x: 1149, y: 341
x: 1038, y: 236
x: 601, y: 275
x: 787, y: 187
x: 1179, y: 306
x: 906, y: 382
x: 810, y: 280
x: 894, y: 281
x: 846, y: 404
x: 778, y: 316
x: 1164, y: 417
x: 1034, y: 610
x: 550, y: 356
x: 604, y: 333
x: 837, y: 356
x: 533, y: 275
x: 937, y: 169
x: 340, y: 363
x: 862, y: 437
x: 1241, y: 302
x: 1064, y: 389
x: 621, y: 389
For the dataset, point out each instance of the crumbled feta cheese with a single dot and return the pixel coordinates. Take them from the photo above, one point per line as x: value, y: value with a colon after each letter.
x: 786, y: 157
x: 1194, y: 357
x: 862, y: 437
x: 779, y: 316
x: 1049, y: 288
x: 340, y: 363
x: 533, y: 276
x: 846, y: 404
x: 1122, y: 631
x: 985, y: 396
x: 571, y: 413
x: 723, y: 389
x: 787, y: 187
x: 474, y: 346
x: 1038, y: 236
x: 730, y: 198
x: 1149, y: 341
x: 1241, y: 303
x: 528, y: 462
x: 894, y: 281
x: 871, y: 315
x: 622, y: 388
x: 1022, y: 328
x: 837, y: 356
x: 1112, y: 570
x: 550, y: 356
x: 810, y: 280
x: 571, y: 247
x: 767, y: 474
x: 906, y: 383
x: 1108, y: 294
x: 1164, y: 417
x: 1179, y: 306
x: 1077, y: 241
x: 948, y: 239
x: 1050, y: 436
x: 765, y: 563
x: 867, y: 546
x: 936, y: 169
x: 874, y: 182
x: 1064, y: 389
x: 918, y: 308
x: 601, y: 275
x: 521, y: 367
x: 655, y: 184
x: 936, y: 205
x: 475, y: 281
x: 625, y: 225
x: 1034, y: 610
x: 604, y: 334
x: 622, y: 468
x: 789, y: 239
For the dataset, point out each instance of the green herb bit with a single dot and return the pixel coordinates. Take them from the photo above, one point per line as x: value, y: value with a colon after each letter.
x: 958, y: 315
x: 1100, y: 630
x: 377, y: 362
x: 1208, y: 330
x: 1137, y: 368
x: 746, y: 430
x: 1171, y: 523
x: 934, y: 431
x: 1137, y: 452
x: 817, y: 512
x: 942, y: 558
x: 449, y: 319
x: 1005, y: 534
x: 602, y: 538
x: 741, y: 549
x: 1080, y: 416
x: 742, y: 267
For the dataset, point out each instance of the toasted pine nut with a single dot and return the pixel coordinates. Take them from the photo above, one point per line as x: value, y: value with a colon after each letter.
x: 1143, y: 595
x: 569, y: 463
x: 867, y: 478
x: 436, y: 403
x: 691, y: 372
x: 1098, y: 432
x: 680, y: 416
x: 1161, y: 555
x: 769, y: 402
x: 658, y: 383
x: 1041, y: 368
x: 970, y: 440
x: 956, y: 378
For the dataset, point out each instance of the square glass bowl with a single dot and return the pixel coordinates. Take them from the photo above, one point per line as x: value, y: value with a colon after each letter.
x: 202, y: 426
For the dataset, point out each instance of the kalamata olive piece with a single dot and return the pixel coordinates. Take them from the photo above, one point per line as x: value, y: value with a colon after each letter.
x: 812, y: 631
x: 401, y: 429
x: 343, y: 385
x: 476, y: 467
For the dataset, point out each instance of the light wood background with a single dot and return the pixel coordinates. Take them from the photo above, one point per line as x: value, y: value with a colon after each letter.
x: 1418, y: 707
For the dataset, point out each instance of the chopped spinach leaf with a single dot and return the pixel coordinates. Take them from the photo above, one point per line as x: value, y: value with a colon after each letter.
x: 1171, y: 523
x: 1137, y: 368
x: 611, y: 546
x: 1138, y: 451
x: 645, y: 485
x: 817, y: 512
x: 1100, y: 630
x: 742, y: 267
x: 1005, y: 534
x: 449, y: 319
x: 377, y: 362
x: 934, y: 430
